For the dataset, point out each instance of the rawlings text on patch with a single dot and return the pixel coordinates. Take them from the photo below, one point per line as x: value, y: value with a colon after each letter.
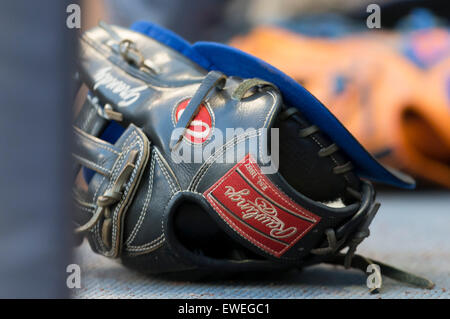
x: 255, y: 208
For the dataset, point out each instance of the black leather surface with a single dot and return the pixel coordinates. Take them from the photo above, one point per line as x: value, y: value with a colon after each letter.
x: 168, y: 225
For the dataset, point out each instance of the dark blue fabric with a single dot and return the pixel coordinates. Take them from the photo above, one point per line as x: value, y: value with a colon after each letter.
x: 215, y: 56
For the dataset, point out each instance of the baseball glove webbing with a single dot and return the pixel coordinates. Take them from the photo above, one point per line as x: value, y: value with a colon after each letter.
x: 208, y: 217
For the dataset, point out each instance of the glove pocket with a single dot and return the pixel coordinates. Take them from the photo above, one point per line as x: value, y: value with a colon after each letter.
x: 118, y: 170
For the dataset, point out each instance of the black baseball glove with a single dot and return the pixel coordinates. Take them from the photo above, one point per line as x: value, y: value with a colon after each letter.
x: 190, y: 172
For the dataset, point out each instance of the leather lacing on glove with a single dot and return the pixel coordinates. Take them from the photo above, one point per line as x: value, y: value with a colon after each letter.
x: 110, y: 197
x: 336, y: 239
x: 349, y: 235
x: 353, y: 233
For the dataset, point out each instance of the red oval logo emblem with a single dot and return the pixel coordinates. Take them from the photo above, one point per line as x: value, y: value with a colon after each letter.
x: 201, y: 126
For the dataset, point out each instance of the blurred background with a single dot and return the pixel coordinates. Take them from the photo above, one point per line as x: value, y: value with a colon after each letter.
x: 389, y: 85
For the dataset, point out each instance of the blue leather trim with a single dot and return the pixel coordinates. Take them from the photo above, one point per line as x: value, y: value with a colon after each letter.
x: 231, y: 61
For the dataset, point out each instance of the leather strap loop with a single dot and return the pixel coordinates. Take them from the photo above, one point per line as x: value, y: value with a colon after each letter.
x: 88, y: 119
x: 93, y: 152
x: 213, y: 80
x: 111, y: 195
x: 248, y: 84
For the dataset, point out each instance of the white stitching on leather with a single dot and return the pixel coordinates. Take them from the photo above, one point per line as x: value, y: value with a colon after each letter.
x: 83, y: 208
x: 205, y: 166
x: 172, y: 187
x: 148, y: 197
x: 169, y: 170
x: 89, y: 119
x: 87, y: 162
x: 98, y: 188
x: 210, y: 161
x: 119, y: 162
x: 146, y: 246
x: 112, y: 179
x: 161, y: 238
x: 141, y: 250
x: 127, y: 189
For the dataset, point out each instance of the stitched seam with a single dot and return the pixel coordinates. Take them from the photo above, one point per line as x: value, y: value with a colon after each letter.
x: 89, y: 120
x: 204, y: 168
x: 166, y: 175
x: 97, y: 189
x: 144, y: 211
x: 98, y: 240
x: 127, y: 189
x: 149, y: 245
x: 96, y: 230
x: 113, y: 177
x: 169, y: 171
x: 115, y: 173
x: 201, y: 172
x: 124, y: 66
x: 88, y: 162
x: 162, y: 226
x: 86, y: 209
x: 125, y: 193
x: 119, y: 162
x: 210, y: 161
x: 147, y: 249
x: 79, y: 203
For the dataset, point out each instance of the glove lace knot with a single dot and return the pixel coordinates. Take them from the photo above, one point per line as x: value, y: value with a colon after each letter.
x: 353, y: 232
x: 111, y: 196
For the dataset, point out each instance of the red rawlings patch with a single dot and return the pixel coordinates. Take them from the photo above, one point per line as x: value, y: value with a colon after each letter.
x: 255, y: 208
